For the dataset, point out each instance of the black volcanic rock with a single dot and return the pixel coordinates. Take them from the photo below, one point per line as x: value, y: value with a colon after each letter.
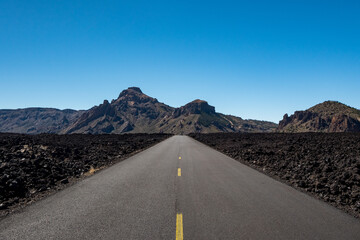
x: 32, y: 166
x: 328, y: 116
x: 326, y: 165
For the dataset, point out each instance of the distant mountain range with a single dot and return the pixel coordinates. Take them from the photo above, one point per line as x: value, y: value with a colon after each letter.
x: 135, y: 112
x: 131, y: 112
x: 37, y: 120
x: 329, y: 116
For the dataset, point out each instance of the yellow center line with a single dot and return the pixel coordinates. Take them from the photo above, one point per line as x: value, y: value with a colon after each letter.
x: 179, y: 227
x: 179, y: 172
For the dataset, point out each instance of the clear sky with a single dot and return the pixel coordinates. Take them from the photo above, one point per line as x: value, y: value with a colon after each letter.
x: 253, y: 59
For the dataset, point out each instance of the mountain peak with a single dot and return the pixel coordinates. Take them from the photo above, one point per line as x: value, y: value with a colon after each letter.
x: 329, y: 116
x: 136, y: 89
x: 333, y: 108
x: 195, y: 107
x: 199, y: 106
x: 131, y: 91
x: 199, y: 101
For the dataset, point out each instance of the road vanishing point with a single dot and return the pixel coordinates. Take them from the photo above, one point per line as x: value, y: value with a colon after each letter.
x: 179, y: 189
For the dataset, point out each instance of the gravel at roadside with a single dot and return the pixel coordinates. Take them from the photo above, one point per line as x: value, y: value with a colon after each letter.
x: 34, y: 166
x: 325, y: 165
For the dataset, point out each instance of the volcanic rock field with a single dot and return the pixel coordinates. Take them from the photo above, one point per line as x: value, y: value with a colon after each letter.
x: 33, y: 166
x: 325, y: 165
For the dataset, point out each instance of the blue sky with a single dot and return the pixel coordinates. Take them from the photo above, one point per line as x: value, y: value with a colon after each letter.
x: 253, y: 59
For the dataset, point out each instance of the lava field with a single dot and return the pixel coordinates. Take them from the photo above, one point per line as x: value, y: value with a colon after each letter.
x: 325, y: 165
x: 33, y: 166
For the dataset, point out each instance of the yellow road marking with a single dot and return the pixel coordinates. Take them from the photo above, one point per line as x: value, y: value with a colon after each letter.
x: 179, y: 172
x: 179, y: 157
x: 179, y: 227
x: 91, y: 171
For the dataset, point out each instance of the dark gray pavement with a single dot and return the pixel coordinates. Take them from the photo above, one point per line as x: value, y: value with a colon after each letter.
x: 218, y: 197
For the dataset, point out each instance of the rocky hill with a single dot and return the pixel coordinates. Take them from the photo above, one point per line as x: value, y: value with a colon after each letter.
x: 329, y: 116
x: 36, y: 120
x: 132, y: 111
x: 135, y: 112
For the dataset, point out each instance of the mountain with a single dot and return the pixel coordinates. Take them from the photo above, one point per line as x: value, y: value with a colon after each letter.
x: 36, y: 120
x: 199, y: 116
x: 134, y: 112
x: 329, y: 116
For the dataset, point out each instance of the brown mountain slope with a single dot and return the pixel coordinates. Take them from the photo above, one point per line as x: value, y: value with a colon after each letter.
x: 36, y: 120
x: 136, y: 112
x: 329, y: 116
x: 199, y: 116
x: 132, y: 111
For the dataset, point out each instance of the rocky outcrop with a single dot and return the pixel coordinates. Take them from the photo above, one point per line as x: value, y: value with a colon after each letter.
x: 329, y: 116
x: 343, y: 123
x: 194, y: 107
x: 132, y: 111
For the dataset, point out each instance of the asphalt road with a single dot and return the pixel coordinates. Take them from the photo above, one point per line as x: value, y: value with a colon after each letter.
x: 157, y: 195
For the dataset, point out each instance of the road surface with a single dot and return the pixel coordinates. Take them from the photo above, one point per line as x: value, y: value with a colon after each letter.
x: 179, y: 189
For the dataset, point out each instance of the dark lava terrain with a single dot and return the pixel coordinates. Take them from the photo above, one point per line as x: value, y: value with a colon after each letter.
x: 33, y: 166
x: 326, y: 165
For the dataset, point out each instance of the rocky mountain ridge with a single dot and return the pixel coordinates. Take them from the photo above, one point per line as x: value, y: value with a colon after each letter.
x: 132, y: 112
x: 329, y: 116
x: 36, y: 120
x: 135, y: 112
